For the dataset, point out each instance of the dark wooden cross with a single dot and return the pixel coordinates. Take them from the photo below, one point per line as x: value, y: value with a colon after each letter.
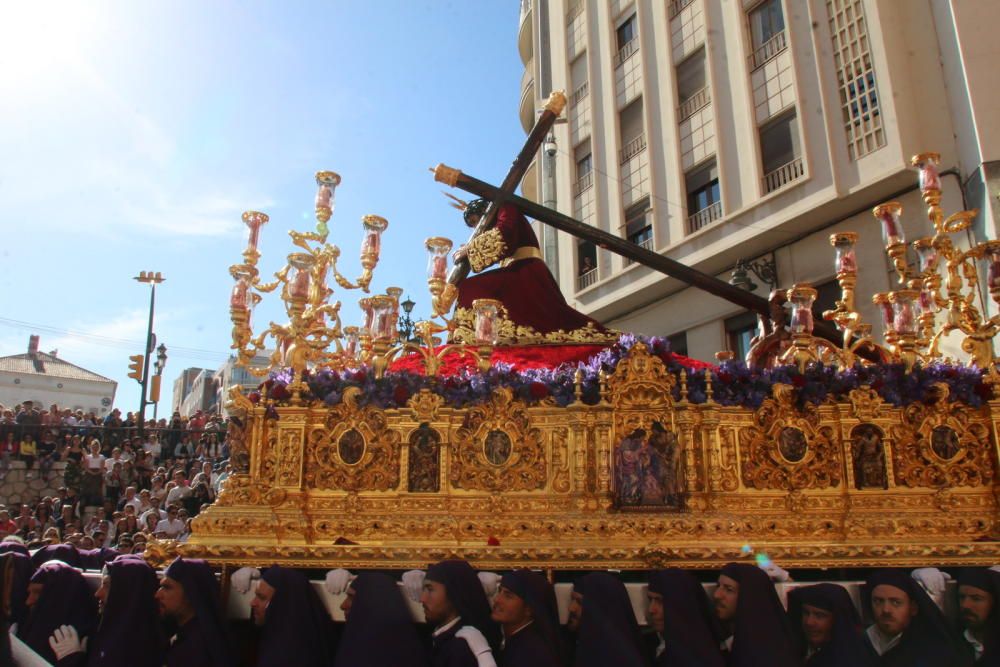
x: 505, y: 194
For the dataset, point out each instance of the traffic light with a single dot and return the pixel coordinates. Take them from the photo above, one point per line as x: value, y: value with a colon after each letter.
x: 154, y: 389
x: 135, y: 368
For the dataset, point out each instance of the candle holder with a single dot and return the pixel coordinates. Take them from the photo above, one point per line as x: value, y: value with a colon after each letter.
x: 438, y: 249
x: 805, y: 348
x: 326, y: 186
x: 892, y: 235
x: 857, y: 335
x: 905, y: 325
x: 313, y: 336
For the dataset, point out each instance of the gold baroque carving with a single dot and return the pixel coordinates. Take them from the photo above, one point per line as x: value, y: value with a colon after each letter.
x: 425, y: 405
x: 916, y: 463
x: 378, y: 466
x: 524, y: 470
x: 641, y: 381
x: 766, y: 463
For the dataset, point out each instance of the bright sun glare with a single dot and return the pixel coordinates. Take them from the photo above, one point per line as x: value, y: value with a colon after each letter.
x: 40, y: 40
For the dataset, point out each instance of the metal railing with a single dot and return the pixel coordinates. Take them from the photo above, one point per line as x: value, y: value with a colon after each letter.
x: 704, y: 217
x: 581, y: 93
x: 675, y: 7
x: 632, y: 148
x: 626, y: 52
x: 585, y: 280
x: 692, y: 104
x: 783, y: 175
x: 645, y: 243
x: 768, y: 50
x: 583, y: 183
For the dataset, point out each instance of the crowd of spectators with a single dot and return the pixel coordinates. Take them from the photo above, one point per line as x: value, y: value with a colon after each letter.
x: 119, y: 487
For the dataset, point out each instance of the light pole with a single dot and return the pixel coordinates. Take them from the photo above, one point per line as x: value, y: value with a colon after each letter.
x: 151, y: 279
x: 161, y: 362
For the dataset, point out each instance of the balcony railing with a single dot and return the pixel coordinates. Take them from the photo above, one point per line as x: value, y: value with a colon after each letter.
x: 783, y: 175
x: 583, y: 183
x: 645, y: 243
x: 704, y: 217
x: 693, y: 104
x: 631, y: 149
x: 768, y: 50
x: 585, y: 280
x: 675, y: 7
x: 626, y: 51
x: 581, y: 93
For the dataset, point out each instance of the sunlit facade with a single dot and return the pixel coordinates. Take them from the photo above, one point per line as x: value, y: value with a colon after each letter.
x: 713, y: 131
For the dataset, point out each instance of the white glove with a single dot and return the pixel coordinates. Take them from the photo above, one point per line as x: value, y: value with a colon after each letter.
x: 478, y: 645
x: 240, y: 579
x: 413, y: 584
x: 65, y: 641
x: 490, y: 582
x: 933, y: 580
x: 776, y: 573
x: 338, y: 581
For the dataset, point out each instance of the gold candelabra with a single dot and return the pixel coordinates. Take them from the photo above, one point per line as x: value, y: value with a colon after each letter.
x: 908, y: 314
x: 313, y: 336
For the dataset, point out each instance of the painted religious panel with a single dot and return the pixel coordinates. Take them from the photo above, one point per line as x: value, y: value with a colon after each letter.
x: 869, y: 457
x: 351, y: 447
x: 424, y: 474
x: 944, y: 442
x: 497, y: 447
x: 646, y: 469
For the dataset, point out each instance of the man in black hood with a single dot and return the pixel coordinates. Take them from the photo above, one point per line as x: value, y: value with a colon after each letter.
x: 909, y: 630
x: 979, y: 614
x: 456, y: 605
x: 753, y: 618
x: 829, y: 628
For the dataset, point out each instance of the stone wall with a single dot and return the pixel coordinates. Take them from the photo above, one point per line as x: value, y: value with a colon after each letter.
x: 20, y: 485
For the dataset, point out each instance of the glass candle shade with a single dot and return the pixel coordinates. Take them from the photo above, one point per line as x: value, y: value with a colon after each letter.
x: 394, y: 293
x: 486, y: 312
x: 254, y: 220
x: 240, y: 297
x: 927, y: 301
x: 801, y: 298
x: 366, y: 307
x: 371, y: 245
x: 437, y: 257
x: 928, y: 164
x: 300, y: 277
x: 326, y: 186
x: 351, y: 335
x: 881, y: 300
x: 905, y: 311
x: 991, y: 258
x: 382, y: 320
x: 927, y: 255
x: 888, y: 215
x: 843, y: 243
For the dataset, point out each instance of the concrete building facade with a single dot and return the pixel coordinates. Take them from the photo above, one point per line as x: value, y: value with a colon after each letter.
x: 718, y: 130
x: 45, y: 379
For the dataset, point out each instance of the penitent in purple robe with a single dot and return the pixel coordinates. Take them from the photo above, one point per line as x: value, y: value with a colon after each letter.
x: 609, y: 632
x: 380, y: 631
x: 690, y: 636
x: 129, y: 632
x: 65, y: 600
x: 202, y: 641
x: 297, y: 628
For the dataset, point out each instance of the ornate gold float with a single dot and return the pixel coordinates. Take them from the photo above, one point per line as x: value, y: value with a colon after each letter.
x: 850, y: 481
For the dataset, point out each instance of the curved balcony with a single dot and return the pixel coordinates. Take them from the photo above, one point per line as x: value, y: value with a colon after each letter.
x: 529, y: 184
x: 524, y: 32
x: 527, y: 107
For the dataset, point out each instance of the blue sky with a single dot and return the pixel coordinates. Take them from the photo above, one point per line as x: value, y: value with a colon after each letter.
x: 134, y: 134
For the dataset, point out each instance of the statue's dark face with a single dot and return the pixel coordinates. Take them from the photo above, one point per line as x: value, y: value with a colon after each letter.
x: 472, y: 219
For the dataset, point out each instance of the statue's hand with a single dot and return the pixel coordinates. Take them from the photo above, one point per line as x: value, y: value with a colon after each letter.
x: 461, y: 253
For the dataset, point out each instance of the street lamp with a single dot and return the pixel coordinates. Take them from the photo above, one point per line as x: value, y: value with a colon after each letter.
x: 406, y: 324
x: 764, y: 268
x: 161, y: 362
x: 151, y: 279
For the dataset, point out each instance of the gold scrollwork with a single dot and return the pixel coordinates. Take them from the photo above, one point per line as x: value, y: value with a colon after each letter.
x: 376, y: 467
x: 523, y: 470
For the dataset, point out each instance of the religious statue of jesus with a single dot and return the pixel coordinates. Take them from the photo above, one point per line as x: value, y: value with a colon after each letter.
x: 522, y: 282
